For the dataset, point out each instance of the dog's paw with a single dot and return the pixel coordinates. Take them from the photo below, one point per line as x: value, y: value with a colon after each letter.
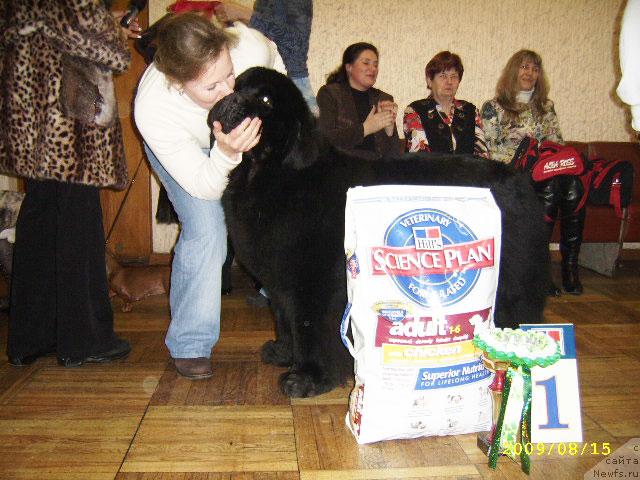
x: 302, y: 384
x: 277, y: 353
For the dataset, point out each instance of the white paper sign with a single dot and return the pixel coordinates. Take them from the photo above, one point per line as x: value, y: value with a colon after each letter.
x: 555, y: 408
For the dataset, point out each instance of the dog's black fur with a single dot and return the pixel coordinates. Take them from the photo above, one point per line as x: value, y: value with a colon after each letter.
x: 284, y: 208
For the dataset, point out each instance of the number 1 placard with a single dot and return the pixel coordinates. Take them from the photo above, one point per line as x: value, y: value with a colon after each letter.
x: 555, y: 408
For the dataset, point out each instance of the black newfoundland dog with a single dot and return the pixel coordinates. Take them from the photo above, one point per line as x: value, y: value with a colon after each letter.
x: 285, y: 205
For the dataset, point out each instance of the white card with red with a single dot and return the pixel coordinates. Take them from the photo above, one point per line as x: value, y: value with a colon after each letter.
x: 555, y: 408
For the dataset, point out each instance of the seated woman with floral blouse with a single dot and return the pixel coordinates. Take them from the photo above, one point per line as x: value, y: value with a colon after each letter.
x: 441, y: 122
x: 522, y: 108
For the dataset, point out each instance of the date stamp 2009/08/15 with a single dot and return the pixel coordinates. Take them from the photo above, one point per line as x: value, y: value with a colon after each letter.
x: 562, y: 449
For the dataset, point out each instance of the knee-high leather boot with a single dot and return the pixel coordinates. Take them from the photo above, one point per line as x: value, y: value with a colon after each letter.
x: 571, y: 226
x: 549, y: 194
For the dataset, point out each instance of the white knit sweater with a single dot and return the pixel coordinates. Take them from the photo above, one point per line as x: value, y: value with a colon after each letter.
x: 175, y: 127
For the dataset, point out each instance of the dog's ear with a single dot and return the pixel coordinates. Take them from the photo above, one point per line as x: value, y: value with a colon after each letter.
x: 303, y: 148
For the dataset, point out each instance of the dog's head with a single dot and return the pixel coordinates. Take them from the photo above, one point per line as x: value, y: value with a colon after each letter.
x: 288, y: 128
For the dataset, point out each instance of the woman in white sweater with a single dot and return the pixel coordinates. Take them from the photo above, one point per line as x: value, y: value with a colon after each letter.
x: 192, y: 70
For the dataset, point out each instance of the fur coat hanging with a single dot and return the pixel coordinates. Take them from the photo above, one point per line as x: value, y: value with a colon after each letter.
x: 57, y: 102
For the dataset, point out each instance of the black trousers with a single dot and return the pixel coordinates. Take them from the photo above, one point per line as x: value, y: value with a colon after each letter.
x: 562, y: 194
x: 59, y: 291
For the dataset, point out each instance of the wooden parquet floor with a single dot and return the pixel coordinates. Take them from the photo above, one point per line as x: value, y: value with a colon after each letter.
x: 136, y: 419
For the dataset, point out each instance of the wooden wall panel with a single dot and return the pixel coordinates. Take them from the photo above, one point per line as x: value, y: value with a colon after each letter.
x: 131, y: 237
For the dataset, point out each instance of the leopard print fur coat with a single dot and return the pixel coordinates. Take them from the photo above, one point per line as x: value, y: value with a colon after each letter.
x: 37, y: 140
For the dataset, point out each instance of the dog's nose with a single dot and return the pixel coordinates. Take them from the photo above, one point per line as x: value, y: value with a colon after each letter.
x: 228, y: 112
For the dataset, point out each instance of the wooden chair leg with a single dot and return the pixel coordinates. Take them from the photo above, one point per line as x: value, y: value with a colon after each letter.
x: 624, y: 226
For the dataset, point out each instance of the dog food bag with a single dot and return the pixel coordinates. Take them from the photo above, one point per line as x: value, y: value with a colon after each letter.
x: 422, y: 269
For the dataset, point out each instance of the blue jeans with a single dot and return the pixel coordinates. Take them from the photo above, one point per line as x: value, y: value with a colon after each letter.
x: 304, y: 85
x: 195, y: 273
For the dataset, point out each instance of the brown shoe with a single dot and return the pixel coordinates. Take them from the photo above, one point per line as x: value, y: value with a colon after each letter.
x: 194, y: 368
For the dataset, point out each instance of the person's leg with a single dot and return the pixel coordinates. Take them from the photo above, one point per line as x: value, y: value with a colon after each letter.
x: 84, y: 313
x: 549, y: 195
x: 196, y: 271
x: 32, y: 319
x: 571, y: 226
x: 304, y: 85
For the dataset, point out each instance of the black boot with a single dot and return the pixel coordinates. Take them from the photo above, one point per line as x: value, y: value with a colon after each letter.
x: 571, y: 226
x: 552, y: 289
x: 570, y: 241
x: 549, y: 195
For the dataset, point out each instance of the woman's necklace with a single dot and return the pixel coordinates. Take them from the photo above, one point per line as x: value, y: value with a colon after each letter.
x: 447, y: 119
x: 446, y: 116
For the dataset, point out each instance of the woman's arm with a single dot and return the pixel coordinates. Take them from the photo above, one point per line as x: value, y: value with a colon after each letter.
x: 392, y: 141
x: 551, y: 127
x: 393, y: 145
x: 347, y: 137
x: 415, y: 137
x: 480, y: 145
x: 491, y: 128
x: 200, y: 175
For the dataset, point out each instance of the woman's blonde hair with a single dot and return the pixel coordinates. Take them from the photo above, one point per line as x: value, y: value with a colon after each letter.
x: 507, y: 87
x: 186, y: 43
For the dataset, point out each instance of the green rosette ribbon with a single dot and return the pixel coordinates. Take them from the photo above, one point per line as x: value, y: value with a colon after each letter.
x: 511, y: 357
x: 525, y: 421
x: 494, y: 450
x: 514, y: 417
x: 500, y: 346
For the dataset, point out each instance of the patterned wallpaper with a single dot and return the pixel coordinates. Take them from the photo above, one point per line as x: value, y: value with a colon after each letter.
x: 577, y: 40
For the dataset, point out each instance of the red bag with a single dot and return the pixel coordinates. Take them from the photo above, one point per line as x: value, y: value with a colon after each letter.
x: 181, y: 6
x: 526, y: 154
x: 605, y: 182
x: 146, y: 44
x: 555, y: 159
x: 611, y: 183
x: 550, y: 159
x: 547, y: 159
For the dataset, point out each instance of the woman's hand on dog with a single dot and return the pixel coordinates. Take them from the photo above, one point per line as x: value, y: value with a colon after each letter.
x: 241, y: 139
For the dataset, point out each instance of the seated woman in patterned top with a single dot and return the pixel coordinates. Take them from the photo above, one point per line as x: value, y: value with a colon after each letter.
x: 441, y: 122
x: 521, y: 108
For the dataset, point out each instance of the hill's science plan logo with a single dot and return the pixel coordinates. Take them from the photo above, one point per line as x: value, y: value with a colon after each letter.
x: 433, y: 258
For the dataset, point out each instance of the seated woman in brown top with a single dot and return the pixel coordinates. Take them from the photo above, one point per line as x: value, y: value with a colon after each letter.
x: 441, y: 122
x: 354, y: 116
